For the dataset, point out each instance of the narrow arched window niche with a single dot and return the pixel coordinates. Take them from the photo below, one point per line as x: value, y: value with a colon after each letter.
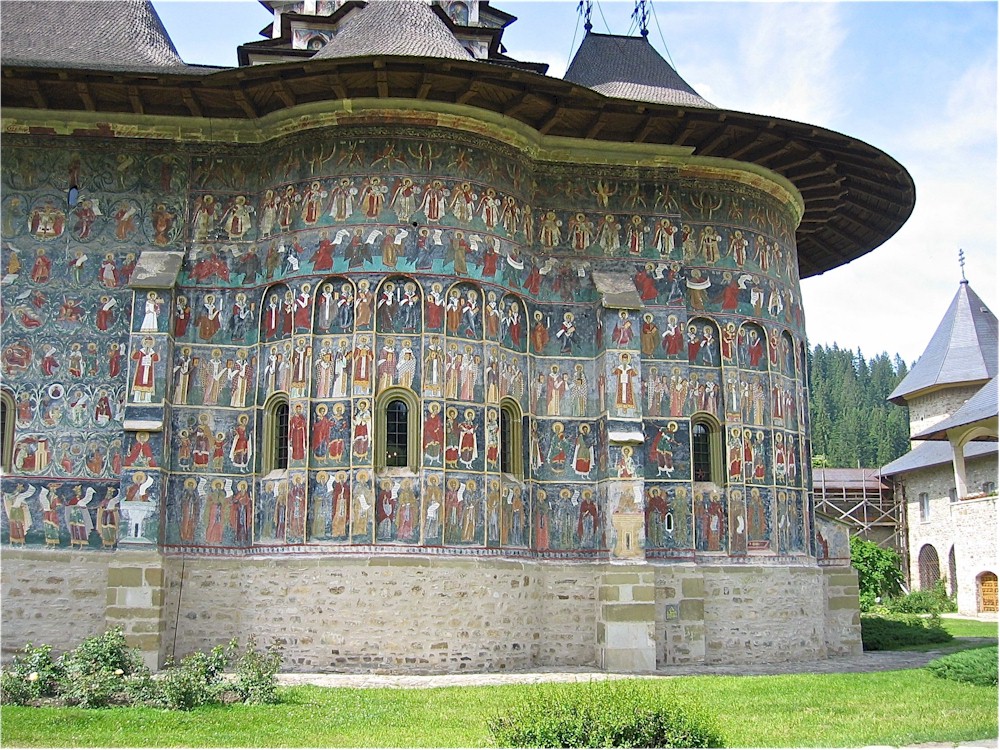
x: 511, y: 437
x: 706, y: 448
x: 397, y: 429
x: 274, y: 456
x: 6, y: 431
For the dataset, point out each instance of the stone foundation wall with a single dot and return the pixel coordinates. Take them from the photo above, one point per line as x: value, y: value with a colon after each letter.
x: 759, y: 614
x: 422, y: 614
x: 843, y: 620
x: 401, y: 613
x: 52, y: 597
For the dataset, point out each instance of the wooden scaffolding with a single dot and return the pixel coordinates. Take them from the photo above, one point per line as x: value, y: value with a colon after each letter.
x: 865, y: 500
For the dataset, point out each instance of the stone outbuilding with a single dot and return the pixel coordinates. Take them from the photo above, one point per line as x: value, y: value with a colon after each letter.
x: 948, y: 479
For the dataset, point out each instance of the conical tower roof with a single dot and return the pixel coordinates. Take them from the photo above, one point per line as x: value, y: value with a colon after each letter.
x: 627, y: 67
x: 963, y: 349
x: 91, y: 34
x: 408, y: 28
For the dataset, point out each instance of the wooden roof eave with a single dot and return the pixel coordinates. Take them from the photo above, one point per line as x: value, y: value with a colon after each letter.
x: 815, y: 160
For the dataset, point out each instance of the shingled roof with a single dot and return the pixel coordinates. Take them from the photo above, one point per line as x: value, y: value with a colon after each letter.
x: 936, y: 453
x: 394, y: 27
x: 963, y: 349
x: 628, y: 67
x: 90, y: 34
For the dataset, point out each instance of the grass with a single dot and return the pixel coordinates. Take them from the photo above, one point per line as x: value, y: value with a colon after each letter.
x: 840, y: 710
x: 969, y: 628
x: 961, y: 630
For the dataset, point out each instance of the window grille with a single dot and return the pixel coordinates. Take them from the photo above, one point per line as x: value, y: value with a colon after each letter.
x: 396, y: 423
x: 701, y: 452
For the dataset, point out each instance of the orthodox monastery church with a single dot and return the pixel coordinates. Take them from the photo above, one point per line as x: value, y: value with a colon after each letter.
x: 947, y: 482
x: 400, y: 350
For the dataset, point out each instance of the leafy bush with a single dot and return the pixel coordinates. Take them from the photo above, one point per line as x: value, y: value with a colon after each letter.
x: 15, y: 690
x: 887, y: 632
x: 104, y: 671
x: 256, y: 673
x: 880, y: 572
x: 33, y: 674
x: 932, y: 601
x: 94, y: 674
x: 197, y: 680
x: 599, y: 714
x: 977, y: 666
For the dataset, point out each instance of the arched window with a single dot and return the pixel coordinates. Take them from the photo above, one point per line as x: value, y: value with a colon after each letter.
x: 928, y: 567
x: 396, y: 414
x: 397, y: 429
x: 275, y: 429
x: 511, y: 431
x: 6, y: 431
x: 706, y: 449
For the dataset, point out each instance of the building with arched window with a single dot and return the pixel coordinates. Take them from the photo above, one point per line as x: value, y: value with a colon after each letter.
x: 404, y: 349
x: 947, y: 482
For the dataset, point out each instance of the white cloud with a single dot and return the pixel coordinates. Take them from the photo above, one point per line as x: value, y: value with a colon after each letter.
x: 967, y: 118
x: 784, y: 61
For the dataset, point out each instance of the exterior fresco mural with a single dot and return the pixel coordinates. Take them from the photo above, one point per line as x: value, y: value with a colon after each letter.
x: 331, y: 269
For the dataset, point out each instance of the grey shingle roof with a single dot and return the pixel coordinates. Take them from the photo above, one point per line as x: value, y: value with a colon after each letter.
x: 394, y: 27
x: 963, y: 349
x: 626, y: 67
x: 980, y: 407
x: 92, y: 34
x: 935, y: 453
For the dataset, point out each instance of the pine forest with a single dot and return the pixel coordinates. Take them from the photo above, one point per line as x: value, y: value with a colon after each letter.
x: 852, y: 423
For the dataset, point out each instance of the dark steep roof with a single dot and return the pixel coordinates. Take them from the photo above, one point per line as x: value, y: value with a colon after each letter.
x: 963, y: 349
x: 394, y: 27
x: 91, y: 34
x: 627, y: 67
x: 935, y: 453
x: 979, y: 408
x: 855, y: 196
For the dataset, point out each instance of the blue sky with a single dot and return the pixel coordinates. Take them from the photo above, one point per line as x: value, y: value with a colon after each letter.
x: 915, y: 79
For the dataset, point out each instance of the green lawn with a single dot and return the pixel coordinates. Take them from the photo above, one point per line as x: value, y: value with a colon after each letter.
x: 969, y: 628
x: 967, y: 633
x: 888, y: 708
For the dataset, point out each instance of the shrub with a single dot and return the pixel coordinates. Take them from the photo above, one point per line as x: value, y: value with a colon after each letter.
x: 104, y: 671
x: 95, y: 673
x: 599, y: 714
x: 977, y: 666
x: 33, y: 674
x: 887, y: 632
x: 15, y: 689
x: 197, y: 680
x: 880, y: 572
x: 932, y: 601
x: 256, y: 672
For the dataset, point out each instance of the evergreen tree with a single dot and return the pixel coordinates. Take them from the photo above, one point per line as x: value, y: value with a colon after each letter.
x: 852, y: 422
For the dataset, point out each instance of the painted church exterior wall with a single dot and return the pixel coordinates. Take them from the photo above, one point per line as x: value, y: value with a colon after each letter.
x: 337, y: 267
